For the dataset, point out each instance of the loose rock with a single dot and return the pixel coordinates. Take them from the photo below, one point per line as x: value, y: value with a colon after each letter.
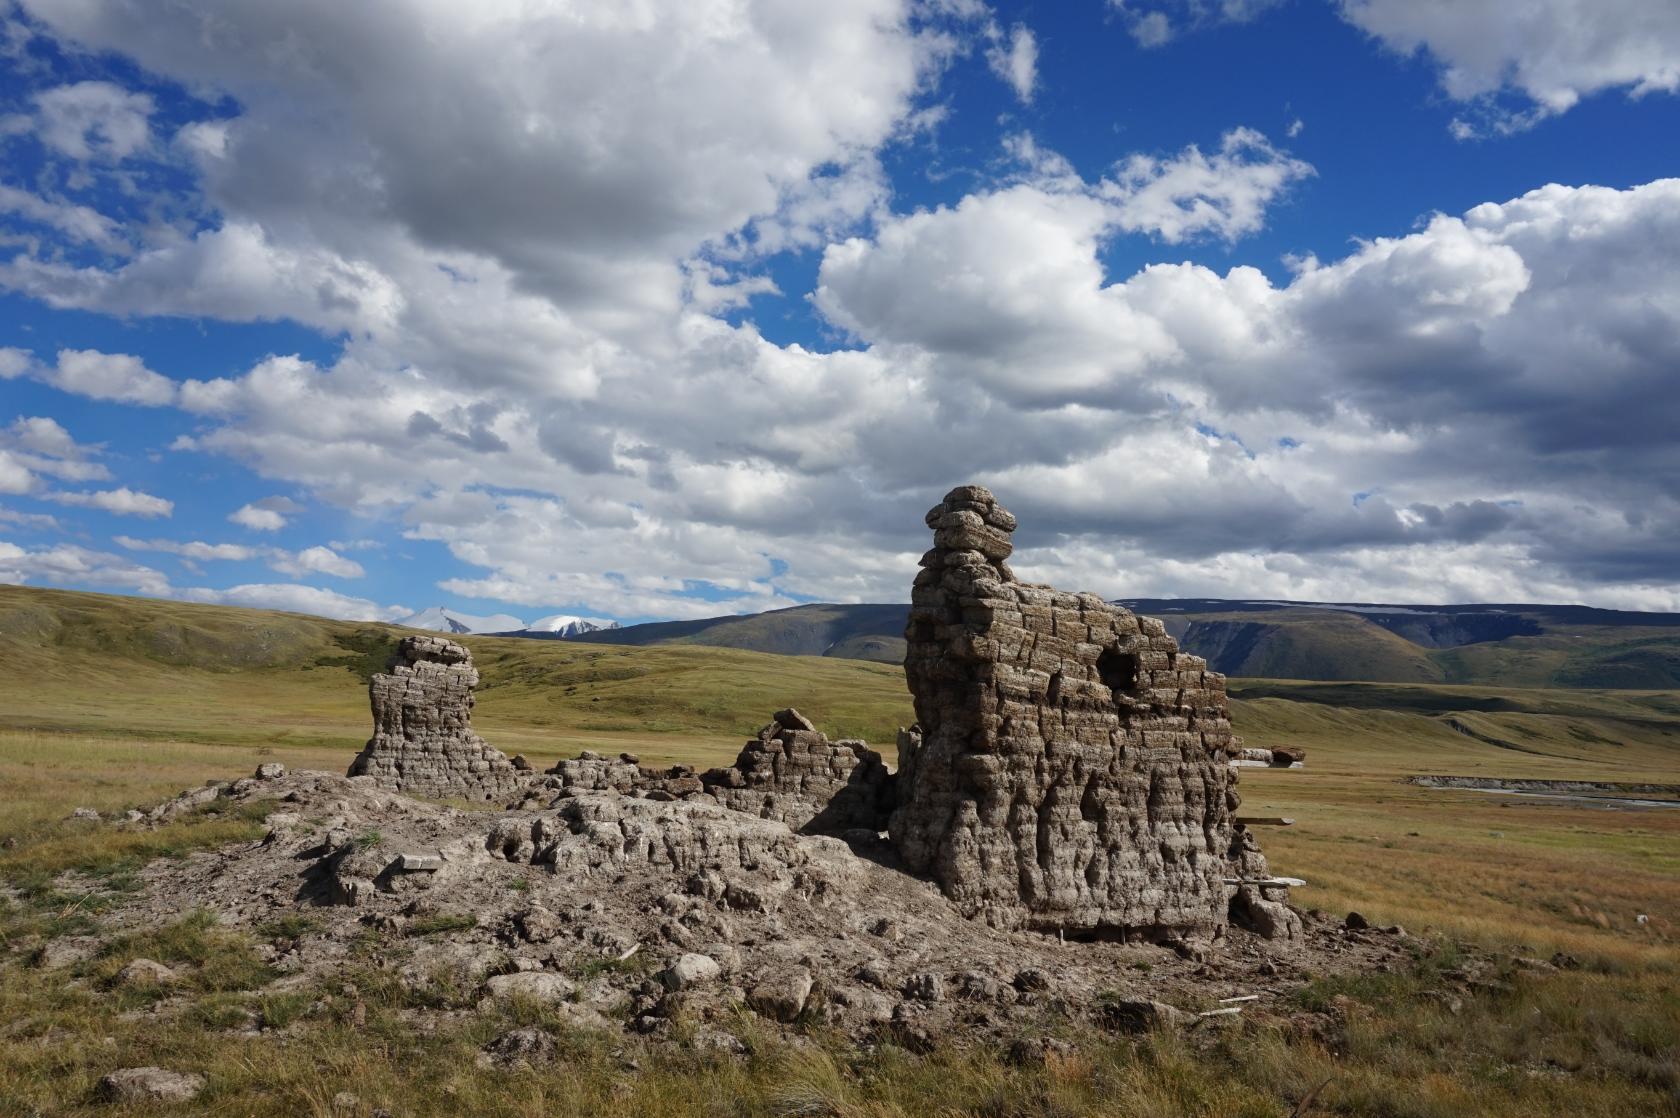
x: 145, y: 972
x: 150, y: 1084
x: 537, y: 985
x: 690, y: 969
x: 782, y: 994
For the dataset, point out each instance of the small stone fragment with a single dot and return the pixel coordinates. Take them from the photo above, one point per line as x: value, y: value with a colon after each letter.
x: 528, y: 1047
x: 536, y: 985
x: 1038, y: 1050
x: 537, y: 924
x: 150, y: 1084
x: 781, y: 994
x: 925, y: 987
x: 1030, y: 979
x: 1140, y: 1015
x: 690, y: 969
x: 415, y: 863
x: 145, y: 972
x: 791, y: 719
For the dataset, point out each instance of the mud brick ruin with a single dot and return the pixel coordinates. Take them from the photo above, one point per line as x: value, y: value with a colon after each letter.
x: 793, y: 773
x: 423, y: 741
x: 1070, y: 771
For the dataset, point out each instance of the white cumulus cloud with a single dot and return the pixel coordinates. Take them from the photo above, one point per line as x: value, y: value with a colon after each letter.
x: 1014, y: 58
x: 317, y: 560
x: 293, y: 598
x: 1551, y: 52
x: 122, y: 502
x: 94, y: 120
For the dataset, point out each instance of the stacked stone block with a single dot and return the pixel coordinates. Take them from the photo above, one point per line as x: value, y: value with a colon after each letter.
x: 1068, y: 769
x: 423, y: 741
x: 792, y: 772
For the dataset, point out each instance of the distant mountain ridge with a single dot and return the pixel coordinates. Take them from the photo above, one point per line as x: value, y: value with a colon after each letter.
x: 442, y: 619
x: 1503, y: 644
x: 852, y: 632
x: 565, y: 625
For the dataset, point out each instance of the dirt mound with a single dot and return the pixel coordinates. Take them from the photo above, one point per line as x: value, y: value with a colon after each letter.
x: 627, y: 909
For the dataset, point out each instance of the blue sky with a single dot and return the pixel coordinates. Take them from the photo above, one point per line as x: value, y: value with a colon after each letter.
x: 692, y: 308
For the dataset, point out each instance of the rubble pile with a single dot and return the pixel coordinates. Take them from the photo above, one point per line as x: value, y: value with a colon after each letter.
x: 793, y: 773
x: 630, y: 912
x: 1070, y: 772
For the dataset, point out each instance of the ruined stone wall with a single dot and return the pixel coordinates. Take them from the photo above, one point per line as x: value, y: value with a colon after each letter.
x: 790, y: 773
x: 1070, y: 771
x: 423, y: 741
x: 793, y: 773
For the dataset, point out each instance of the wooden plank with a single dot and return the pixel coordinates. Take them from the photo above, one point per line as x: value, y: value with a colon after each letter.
x: 1262, y: 821
x: 1226, y: 1012
x: 1286, y: 882
x: 1240, y: 998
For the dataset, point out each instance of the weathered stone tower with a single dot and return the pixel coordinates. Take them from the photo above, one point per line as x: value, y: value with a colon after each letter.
x: 1070, y: 768
x: 423, y: 741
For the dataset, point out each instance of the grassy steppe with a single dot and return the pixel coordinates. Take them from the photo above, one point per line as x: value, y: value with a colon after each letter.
x: 108, y: 702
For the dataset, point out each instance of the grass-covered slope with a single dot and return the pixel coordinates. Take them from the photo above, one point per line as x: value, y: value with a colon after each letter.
x: 110, y: 702
x: 1516, y: 646
x: 855, y: 632
x: 221, y: 676
x: 86, y: 662
x: 1511, y: 646
x: 1308, y: 644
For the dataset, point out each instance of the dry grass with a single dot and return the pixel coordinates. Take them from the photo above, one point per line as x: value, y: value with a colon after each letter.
x: 122, y: 723
x: 1594, y: 1045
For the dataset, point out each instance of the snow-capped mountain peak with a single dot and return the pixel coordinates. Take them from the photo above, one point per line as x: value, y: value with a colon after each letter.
x: 444, y: 620
x: 566, y: 625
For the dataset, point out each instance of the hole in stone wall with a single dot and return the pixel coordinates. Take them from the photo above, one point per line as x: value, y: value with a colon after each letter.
x: 1119, y: 670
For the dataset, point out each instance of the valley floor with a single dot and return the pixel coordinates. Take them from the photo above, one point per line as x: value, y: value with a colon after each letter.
x: 1470, y: 875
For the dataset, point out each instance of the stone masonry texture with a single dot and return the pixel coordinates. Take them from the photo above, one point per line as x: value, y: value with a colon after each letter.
x: 792, y: 772
x: 423, y: 741
x: 1068, y: 770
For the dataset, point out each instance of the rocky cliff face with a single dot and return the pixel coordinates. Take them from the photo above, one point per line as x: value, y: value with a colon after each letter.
x: 1070, y: 768
x: 423, y: 741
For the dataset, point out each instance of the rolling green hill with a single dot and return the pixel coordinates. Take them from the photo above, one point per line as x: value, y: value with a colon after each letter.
x: 1307, y: 644
x: 1499, y: 645
x: 141, y: 668
x: 78, y: 661
x: 1517, y: 646
x: 852, y: 632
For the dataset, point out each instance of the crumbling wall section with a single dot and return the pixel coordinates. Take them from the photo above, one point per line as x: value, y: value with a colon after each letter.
x: 1068, y: 769
x: 423, y: 741
x: 792, y: 772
